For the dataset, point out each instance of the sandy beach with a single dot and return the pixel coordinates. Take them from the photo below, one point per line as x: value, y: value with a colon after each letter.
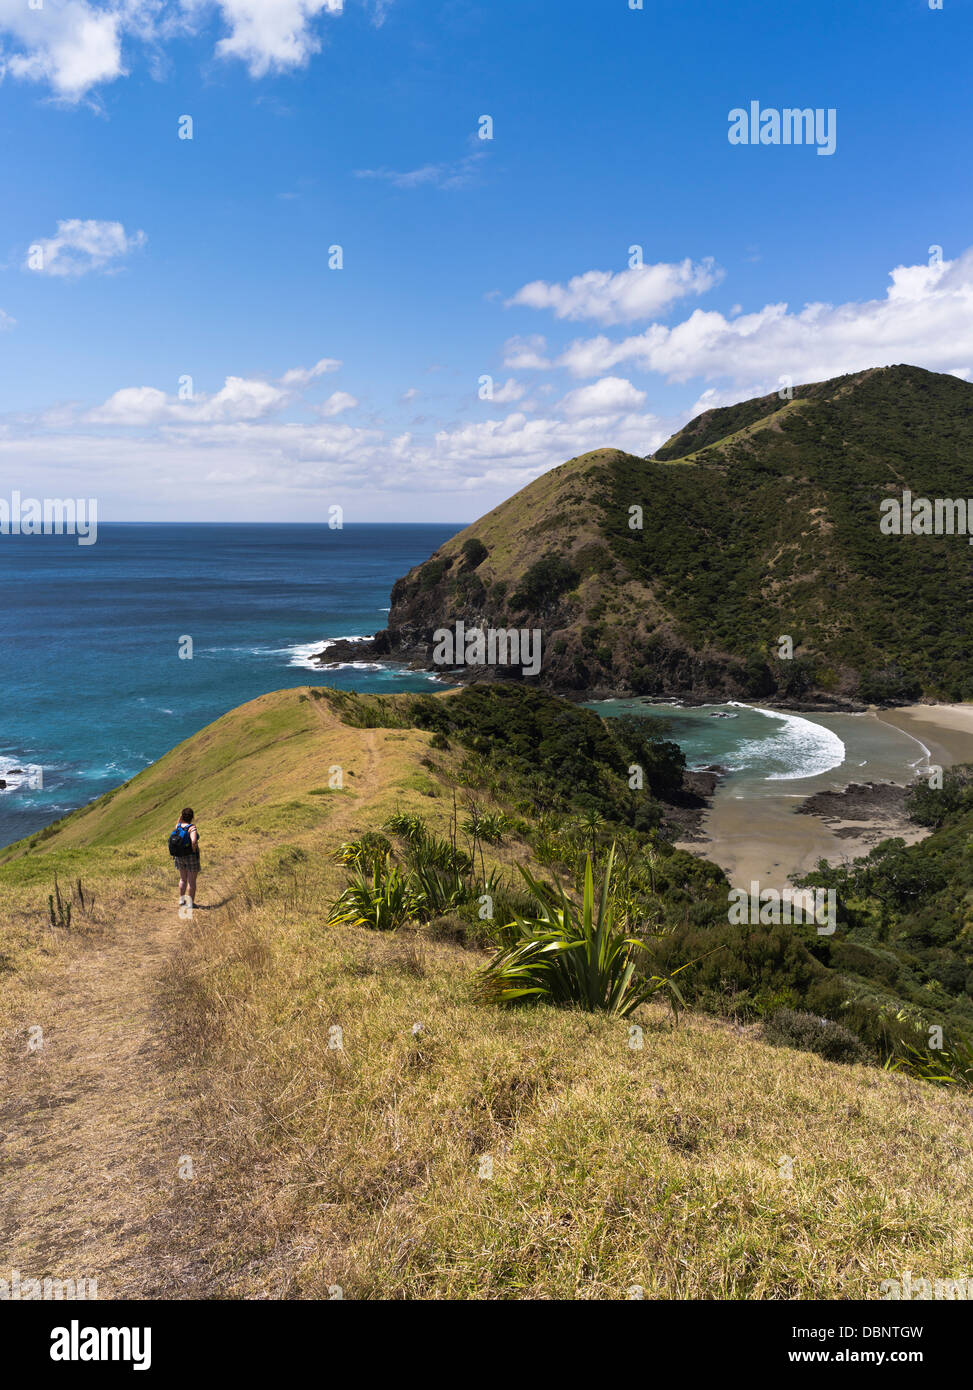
x: 946, y: 730
x: 754, y: 831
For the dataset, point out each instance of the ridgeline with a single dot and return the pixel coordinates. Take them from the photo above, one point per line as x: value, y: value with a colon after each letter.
x: 679, y: 574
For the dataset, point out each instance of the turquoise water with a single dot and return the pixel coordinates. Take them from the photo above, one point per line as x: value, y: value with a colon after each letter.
x: 93, y: 685
x: 767, y: 745
x: 774, y: 761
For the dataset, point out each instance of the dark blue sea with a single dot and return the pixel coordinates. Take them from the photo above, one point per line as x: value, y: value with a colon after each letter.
x: 93, y: 686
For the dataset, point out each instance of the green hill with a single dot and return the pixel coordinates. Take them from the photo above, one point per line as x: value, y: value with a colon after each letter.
x: 758, y: 522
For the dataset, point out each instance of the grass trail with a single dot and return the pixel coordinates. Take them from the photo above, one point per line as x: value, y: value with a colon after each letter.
x: 92, y: 1123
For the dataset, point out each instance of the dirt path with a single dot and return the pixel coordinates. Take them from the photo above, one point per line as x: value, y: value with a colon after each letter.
x: 95, y: 1124
x: 90, y: 1125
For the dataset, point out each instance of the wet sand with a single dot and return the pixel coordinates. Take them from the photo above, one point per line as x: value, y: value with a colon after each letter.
x: 946, y: 730
x: 752, y: 829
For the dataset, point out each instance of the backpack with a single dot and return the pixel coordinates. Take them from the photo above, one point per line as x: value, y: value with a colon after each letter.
x: 179, y: 842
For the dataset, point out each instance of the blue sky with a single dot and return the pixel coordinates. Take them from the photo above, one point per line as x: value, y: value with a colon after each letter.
x: 132, y: 259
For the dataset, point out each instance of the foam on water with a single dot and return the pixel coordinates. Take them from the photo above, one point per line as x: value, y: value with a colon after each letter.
x: 7, y: 764
x: 259, y: 590
x: 304, y: 652
x: 798, y: 747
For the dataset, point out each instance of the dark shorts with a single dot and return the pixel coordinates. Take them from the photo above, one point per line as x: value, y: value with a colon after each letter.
x: 186, y: 864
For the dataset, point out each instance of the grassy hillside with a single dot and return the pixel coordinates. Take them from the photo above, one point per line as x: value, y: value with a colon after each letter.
x: 358, y: 1119
x: 758, y: 521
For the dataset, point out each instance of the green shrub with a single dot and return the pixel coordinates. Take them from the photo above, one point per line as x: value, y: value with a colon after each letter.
x: 384, y: 900
x: 544, y: 583
x: 931, y: 806
x: 809, y: 1033
x: 432, y: 571
x: 365, y: 853
x: 410, y: 827
x: 474, y: 553
x: 571, y: 956
x: 948, y: 1066
x: 488, y: 826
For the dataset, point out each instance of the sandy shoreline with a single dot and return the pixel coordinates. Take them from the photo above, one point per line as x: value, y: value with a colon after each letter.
x: 757, y: 834
x: 946, y: 730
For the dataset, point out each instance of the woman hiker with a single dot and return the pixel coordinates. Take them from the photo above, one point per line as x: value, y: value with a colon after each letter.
x: 184, y: 848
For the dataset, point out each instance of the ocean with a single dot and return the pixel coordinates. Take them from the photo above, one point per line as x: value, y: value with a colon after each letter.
x: 94, y: 688
x: 93, y: 685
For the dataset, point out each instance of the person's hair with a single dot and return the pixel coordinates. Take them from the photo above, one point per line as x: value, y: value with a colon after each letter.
x: 187, y: 814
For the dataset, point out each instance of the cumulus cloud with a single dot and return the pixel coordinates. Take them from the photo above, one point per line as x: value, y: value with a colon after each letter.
x: 272, y: 35
x: 336, y: 403
x: 240, y: 446
x: 526, y: 354
x: 79, y: 246
x: 609, y: 396
x: 622, y: 297
x: 74, y: 46
x: 925, y: 318
x: 240, y: 398
x: 71, y: 47
x: 510, y: 391
x: 508, y: 452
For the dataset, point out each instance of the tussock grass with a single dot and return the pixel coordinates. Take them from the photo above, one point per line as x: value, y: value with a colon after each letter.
x: 536, y: 1153
x: 358, y: 1120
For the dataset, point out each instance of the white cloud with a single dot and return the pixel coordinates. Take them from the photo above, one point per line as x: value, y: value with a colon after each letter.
x: 926, y: 319
x: 240, y: 398
x: 609, y: 396
x: 509, y: 452
x: 6, y: 321
x: 510, y: 391
x: 526, y: 354
x: 622, y: 297
x: 272, y: 35
x: 336, y: 403
x: 132, y: 405
x: 712, y: 399
x: 300, y: 376
x: 71, y: 47
x: 457, y: 173
x: 240, y: 449
x: 80, y: 246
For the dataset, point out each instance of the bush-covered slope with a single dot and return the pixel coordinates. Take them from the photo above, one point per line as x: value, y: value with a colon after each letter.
x: 756, y: 522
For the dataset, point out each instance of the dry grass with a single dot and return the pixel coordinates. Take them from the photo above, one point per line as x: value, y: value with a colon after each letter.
x: 354, y: 1120
x: 363, y: 1165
